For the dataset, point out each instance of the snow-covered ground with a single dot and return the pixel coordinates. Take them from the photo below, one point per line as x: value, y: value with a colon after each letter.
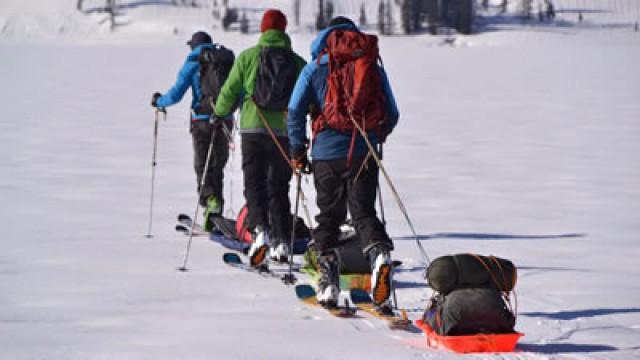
x: 517, y: 142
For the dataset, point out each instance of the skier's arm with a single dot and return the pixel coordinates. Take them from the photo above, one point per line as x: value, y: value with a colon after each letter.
x: 181, y: 86
x: 392, y: 108
x: 298, y: 109
x: 232, y: 88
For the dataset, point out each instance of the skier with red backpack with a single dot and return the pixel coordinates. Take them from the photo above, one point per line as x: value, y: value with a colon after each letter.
x: 349, y: 95
x: 263, y: 77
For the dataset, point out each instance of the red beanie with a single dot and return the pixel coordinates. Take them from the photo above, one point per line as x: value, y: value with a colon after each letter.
x: 273, y: 19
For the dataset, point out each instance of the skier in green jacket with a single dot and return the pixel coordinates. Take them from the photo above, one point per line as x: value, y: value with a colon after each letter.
x: 264, y: 76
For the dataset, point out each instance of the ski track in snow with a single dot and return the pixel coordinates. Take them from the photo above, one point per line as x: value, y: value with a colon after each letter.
x: 520, y: 143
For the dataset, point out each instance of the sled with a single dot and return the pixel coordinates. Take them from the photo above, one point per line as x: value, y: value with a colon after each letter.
x: 478, y: 343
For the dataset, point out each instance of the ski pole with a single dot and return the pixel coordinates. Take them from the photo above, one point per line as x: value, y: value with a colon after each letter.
x: 289, y: 279
x: 195, y: 212
x: 403, y: 209
x: 153, y: 168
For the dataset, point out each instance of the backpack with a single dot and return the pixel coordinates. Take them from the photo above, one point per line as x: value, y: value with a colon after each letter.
x: 275, y: 78
x: 354, y: 84
x: 215, y: 65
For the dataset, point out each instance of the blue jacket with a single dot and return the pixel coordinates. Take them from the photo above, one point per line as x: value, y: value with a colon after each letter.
x: 310, y: 89
x: 189, y: 76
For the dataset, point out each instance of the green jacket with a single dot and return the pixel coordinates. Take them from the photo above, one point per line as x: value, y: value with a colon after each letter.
x: 241, y: 82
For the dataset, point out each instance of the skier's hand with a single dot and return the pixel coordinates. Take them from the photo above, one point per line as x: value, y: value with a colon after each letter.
x: 300, y: 161
x: 154, y: 99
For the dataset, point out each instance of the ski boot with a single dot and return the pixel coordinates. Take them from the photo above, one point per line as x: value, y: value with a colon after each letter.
x: 214, y: 208
x: 329, y: 283
x: 259, y: 247
x: 280, y: 252
x: 381, y: 277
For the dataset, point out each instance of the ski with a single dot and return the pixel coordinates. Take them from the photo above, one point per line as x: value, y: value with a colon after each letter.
x: 197, y: 231
x: 184, y: 225
x: 235, y: 261
x: 307, y: 294
x: 394, y: 321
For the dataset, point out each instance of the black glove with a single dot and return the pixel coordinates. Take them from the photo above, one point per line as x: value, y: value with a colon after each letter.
x: 299, y: 160
x: 216, y: 121
x: 154, y: 99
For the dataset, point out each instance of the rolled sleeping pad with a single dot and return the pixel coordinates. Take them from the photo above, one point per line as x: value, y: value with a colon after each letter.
x: 451, y: 272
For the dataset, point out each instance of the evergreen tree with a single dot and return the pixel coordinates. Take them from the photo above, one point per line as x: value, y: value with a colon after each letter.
x: 296, y: 12
x: 328, y: 11
x: 381, y: 18
x: 244, y: 23
x: 111, y: 9
x: 320, y: 18
x: 388, y: 18
x: 406, y: 11
x: 363, y: 16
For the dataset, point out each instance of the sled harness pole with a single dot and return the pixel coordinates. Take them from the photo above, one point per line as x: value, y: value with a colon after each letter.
x: 195, y: 212
x: 153, y: 167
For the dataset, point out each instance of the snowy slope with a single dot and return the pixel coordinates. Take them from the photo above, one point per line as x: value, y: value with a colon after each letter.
x: 521, y: 143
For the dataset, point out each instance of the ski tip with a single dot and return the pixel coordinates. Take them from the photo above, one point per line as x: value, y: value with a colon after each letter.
x: 304, y: 291
x: 183, y: 217
x: 231, y: 258
x: 183, y: 269
x: 359, y: 296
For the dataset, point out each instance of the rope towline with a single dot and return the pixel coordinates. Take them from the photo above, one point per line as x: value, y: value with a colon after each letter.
x: 396, y: 196
x: 286, y: 157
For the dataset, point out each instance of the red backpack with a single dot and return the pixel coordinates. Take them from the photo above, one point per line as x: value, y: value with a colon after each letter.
x: 354, y: 85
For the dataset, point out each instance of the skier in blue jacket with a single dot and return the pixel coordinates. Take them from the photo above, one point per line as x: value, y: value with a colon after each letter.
x: 335, y: 176
x: 201, y: 129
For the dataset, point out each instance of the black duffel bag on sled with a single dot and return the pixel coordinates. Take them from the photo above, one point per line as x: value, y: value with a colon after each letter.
x: 472, y: 295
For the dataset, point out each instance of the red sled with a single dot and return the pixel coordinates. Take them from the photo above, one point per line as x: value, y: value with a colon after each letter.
x: 470, y: 343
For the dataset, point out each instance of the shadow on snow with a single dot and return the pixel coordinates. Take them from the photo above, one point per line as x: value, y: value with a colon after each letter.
x: 484, y: 236
x: 565, y: 348
x: 576, y: 314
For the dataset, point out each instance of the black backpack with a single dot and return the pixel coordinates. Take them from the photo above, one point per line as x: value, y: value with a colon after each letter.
x: 215, y: 65
x: 276, y: 76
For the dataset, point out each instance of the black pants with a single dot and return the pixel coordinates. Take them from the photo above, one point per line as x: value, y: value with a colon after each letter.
x: 201, y: 132
x: 266, y: 185
x: 338, y: 189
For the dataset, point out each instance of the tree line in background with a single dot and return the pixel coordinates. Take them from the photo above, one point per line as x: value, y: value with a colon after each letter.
x: 413, y: 16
